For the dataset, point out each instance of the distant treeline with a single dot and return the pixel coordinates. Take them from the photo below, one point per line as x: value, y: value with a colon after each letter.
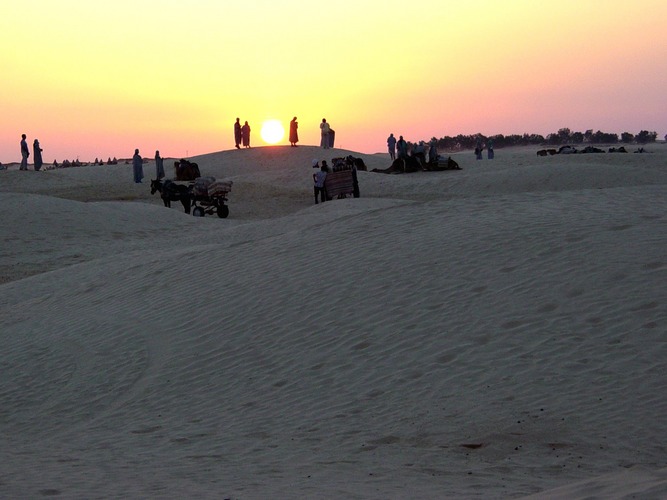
x: 562, y: 137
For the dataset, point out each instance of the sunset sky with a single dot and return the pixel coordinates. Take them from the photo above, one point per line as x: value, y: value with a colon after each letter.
x: 98, y: 79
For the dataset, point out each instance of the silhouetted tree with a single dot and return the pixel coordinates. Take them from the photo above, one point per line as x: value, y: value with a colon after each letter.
x: 627, y: 137
x: 645, y: 136
x: 588, y: 135
x: 564, y: 135
x: 577, y: 137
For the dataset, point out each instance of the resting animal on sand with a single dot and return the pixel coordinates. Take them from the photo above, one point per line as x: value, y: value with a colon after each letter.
x: 413, y: 164
x: 544, y: 152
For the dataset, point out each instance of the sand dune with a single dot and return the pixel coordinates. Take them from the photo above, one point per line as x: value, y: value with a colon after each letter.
x: 490, y: 333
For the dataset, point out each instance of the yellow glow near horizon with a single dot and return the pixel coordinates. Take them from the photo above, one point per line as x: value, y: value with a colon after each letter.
x: 272, y: 131
x: 102, y: 79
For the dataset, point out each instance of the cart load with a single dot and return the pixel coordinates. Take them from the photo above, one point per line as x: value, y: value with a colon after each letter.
x: 209, y: 196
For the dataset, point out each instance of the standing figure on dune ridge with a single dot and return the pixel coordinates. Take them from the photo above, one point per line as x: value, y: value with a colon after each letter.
x: 325, y: 129
x: 293, y: 132
x: 489, y: 149
x: 37, y: 158
x: 25, y: 152
x: 245, y: 135
x: 159, y: 166
x: 237, y: 133
x: 137, y: 167
x: 391, y: 146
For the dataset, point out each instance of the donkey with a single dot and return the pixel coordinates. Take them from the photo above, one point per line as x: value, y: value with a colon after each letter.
x: 170, y: 191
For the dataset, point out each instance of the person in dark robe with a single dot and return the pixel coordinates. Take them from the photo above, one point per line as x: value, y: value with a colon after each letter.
x: 402, y: 147
x: 245, y: 135
x: 25, y: 153
x: 237, y: 134
x: 37, y: 155
x: 137, y: 166
x: 159, y: 166
x: 478, y: 150
x: 293, y: 132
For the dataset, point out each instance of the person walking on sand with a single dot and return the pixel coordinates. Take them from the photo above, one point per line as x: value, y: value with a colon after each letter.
x: 37, y: 157
x: 293, y: 134
x: 25, y: 152
x: 137, y: 167
x: 391, y: 146
x: 245, y: 135
x: 325, y: 128
x: 237, y: 133
x: 159, y: 166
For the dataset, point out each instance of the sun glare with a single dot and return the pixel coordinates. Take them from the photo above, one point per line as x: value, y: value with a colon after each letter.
x: 272, y: 131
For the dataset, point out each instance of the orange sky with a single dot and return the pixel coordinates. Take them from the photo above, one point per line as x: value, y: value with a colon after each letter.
x: 95, y: 80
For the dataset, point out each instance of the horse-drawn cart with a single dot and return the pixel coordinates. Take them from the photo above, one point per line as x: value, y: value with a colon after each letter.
x: 204, y: 195
x: 209, y: 196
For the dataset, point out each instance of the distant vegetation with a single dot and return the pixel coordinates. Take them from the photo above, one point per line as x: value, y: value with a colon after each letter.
x: 562, y: 137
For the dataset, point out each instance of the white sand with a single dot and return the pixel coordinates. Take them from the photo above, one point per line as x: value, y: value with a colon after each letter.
x: 494, y: 332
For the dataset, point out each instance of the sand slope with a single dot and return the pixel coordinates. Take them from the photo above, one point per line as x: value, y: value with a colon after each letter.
x: 491, y: 333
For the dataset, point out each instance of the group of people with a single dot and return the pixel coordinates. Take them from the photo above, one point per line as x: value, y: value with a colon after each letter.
x: 419, y: 149
x: 400, y: 146
x: 108, y: 162
x: 25, y: 154
x: 393, y: 144
x: 241, y: 134
x: 479, y: 148
x: 138, y: 166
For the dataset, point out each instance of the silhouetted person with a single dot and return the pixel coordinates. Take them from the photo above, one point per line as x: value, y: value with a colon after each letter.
x: 478, y: 150
x: 245, y: 135
x: 391, y: 146
x: 137, y: 166
x: 25, y: 152
x: 237, y: 133
x: 433, y: 153
x: 37, y: 158
x: 159, y: 166
x: 402, y: 147
x: 293, y: 132
x: 419, y: 152
x: 318, y: 179
x: 325, y: 129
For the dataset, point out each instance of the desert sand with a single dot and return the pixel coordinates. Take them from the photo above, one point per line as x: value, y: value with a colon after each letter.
x: 494, y: 332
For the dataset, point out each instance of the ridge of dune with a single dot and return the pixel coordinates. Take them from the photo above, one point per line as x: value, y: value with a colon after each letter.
x: 494, y: 332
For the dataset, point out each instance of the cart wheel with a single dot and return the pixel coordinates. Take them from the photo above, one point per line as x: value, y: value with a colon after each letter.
x: 223, y: 211
x: 198, y: 212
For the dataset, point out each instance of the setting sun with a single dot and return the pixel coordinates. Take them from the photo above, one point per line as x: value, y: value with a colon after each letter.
x: 272, y: 131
